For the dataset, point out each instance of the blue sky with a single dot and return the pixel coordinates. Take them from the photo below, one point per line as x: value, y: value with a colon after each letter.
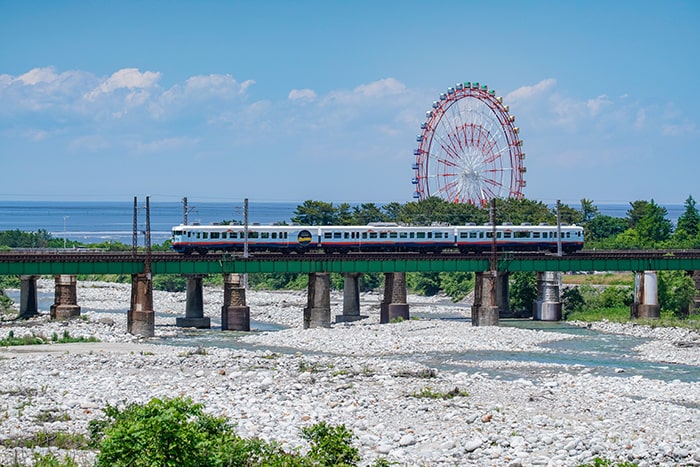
x: 287, y: 101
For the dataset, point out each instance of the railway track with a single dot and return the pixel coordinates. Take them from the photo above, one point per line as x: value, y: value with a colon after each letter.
x: 73, y: 256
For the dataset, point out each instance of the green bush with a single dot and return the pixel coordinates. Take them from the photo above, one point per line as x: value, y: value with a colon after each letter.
x: 177, y: 432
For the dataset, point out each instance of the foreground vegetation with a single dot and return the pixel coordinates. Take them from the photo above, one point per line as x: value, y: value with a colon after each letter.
x: 178, y: 432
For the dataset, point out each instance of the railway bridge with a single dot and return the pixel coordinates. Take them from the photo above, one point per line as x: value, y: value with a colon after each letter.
x: 491, y: 292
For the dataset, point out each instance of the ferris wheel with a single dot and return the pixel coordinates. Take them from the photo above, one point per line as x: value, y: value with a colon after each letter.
x: 469, y: 150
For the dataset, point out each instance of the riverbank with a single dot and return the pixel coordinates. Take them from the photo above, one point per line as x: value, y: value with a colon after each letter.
x: 372, y: 378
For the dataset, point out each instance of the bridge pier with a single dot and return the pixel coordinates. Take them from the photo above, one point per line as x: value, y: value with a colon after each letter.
x: 140, y: 319
x: 28, y: 301
x: 65, y: 304
x: 646, y: 299
x: 394, y: 306
x: 548, y: 306
x: 502, y: 294
x: 194, y: 305
x: 235, y: 314
x: 351, y: 298
x: 485, y: 308
x: 317, y: 313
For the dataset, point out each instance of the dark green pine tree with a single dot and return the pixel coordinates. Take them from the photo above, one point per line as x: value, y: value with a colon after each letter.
x: 689, y: 221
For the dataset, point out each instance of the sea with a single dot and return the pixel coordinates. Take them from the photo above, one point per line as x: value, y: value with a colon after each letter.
x: 91, y: 222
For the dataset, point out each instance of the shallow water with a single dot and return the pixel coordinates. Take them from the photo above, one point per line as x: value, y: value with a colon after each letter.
x: 590, y: 351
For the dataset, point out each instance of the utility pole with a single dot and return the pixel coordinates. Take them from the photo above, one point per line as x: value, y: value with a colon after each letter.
x: 559, y: 252
x: 147, y: 266
x: 184, y: 210
x: 245, y: 239
x: 135, y: 238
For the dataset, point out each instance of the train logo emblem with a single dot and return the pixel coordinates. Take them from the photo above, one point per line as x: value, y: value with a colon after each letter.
x: 304, y: 237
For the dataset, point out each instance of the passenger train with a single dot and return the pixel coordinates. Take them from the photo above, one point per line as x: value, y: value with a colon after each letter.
x: 378, y: 237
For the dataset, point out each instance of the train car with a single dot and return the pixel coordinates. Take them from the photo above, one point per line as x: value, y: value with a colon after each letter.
x: 202, y: 239
x: 386, y: 237
x: 522, y: 237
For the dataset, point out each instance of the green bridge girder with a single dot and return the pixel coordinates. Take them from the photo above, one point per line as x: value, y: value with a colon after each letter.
x: 507, y: 262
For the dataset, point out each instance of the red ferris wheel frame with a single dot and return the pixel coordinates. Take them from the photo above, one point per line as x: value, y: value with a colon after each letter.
x: 469, y: 150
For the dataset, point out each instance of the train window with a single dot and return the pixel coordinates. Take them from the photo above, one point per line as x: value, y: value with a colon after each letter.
x: 327, y: 235
x: 215, y: 235
x: 481, y: 234
x: 198, y: 234
x: 364, y: 235
x: 273, y: 235
x: 463, y: 234
x: 283, y: 235
x: 438, y: 234
x: 253, y: 234
x: 233, y: 235
x: 264, y: 234
x: 392, y: 235
x: 412, y: 235
x: 373, y: 235
x: 205, y: 234
x: 535, y: 235
x: 522, y: 234
x: 337, y: 234
x: 507, y: 234
x: 346, y: 235
x: 489, y: 234
x: 403, y: 234
x: 383, y: 235
x: 420, y: 234
x: 472, y: 234
x: 568, y: 234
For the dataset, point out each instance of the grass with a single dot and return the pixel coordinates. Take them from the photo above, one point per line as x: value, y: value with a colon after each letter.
x: 622, y: 315
x: 608, y: 278
x: 33, y: 339
x: 428, y: 393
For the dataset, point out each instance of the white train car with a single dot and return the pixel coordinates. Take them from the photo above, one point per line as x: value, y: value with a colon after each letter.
x: 374, y: 237
x: 522, y: 237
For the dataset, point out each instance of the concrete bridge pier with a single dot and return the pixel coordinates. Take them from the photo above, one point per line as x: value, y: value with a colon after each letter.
x: 502, y: 294
x: 548, y: 306
x: 351, y: 298
x: 317, y: 313
x: 140, y: 319
x: 235, y: 314
x: 485, y: 308
x: 65, y: 305
x: 646, y: 298
x: 194, y: 305
x: 394, y: 306
x: 28, y: 301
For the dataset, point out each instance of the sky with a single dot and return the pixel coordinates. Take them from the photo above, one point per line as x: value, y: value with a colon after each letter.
x: 294, y: 100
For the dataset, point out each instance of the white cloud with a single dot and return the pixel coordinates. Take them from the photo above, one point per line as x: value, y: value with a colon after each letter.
x: 126, y: 78
x: 301, y: 94
x: 383, y: 87
x: 531, y: 92
x: 682, y: 129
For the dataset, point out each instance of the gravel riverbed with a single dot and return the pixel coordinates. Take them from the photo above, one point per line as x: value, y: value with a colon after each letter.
x: 367, y: 376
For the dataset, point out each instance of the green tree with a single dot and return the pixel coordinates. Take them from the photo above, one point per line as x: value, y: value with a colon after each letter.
x: 604, y: 226
x: 676, y: 291
x: 523, y: 291
x: 423, y: 283
x: 367, y: 213
x: 588, y: 210
x: 315, y: 213
x: 456, y: 285
x: 637, y: 210
x: 689, y: 221
x: 653, y: 227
